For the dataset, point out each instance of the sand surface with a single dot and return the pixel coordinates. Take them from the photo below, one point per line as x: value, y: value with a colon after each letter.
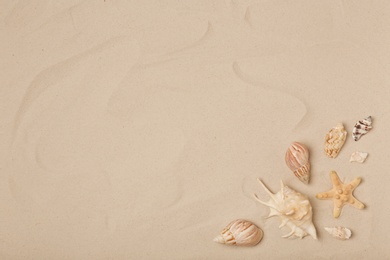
x: 137, y: 129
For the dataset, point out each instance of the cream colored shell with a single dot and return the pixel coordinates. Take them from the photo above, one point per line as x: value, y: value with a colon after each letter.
x: 334, y: 140
x: 241, y: 233
x: 359, y: 157
x: 297, y: 159
x: 341, y: 233
x: 294, y: 211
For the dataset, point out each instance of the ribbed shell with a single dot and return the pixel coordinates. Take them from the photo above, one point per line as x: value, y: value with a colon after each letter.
x: 334, y: 140
x: 297, y: 159
x: 361, y: 128
x: 241, y: 233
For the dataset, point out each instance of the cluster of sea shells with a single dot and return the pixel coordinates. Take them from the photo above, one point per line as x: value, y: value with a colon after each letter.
x: 335, y: 138
x: 293, y: 208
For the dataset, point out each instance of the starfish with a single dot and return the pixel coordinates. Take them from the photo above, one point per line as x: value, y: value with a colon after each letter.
x: 341, y: 194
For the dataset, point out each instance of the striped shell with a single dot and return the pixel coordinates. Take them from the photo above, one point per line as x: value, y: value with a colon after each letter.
x: 361, y: 128
x: 334, y: 140
x: 241, y: 233
x: 297, y: 159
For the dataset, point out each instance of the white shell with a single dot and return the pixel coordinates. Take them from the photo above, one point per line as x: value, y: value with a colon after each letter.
x: 361, y: 128
x: 294, y: 210
x: 241, y: 233
x: 334, y: 140
x: 341, y: 233
x: 297, y: 159
x: 359, y: 157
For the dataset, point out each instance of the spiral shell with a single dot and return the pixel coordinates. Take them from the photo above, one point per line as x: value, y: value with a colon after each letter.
x: 294, y: 210
x: 297, y: 159
x: 334, y: 140
x: 241, y: 233
x: 341, y: 233
x: 361, y: 128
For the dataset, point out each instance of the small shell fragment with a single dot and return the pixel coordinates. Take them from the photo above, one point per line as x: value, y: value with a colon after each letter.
x: 341, y: 233
x: 359, y: 157
x: 334, y: 140
x: 240, y: 233
x: 361, y: 128
x: 297, y: 159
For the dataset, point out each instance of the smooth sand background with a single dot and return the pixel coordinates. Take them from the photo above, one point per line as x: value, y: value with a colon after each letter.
x: 137, y: 129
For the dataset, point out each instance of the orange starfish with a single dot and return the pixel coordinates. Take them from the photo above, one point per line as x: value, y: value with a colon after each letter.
x: 341, y: 194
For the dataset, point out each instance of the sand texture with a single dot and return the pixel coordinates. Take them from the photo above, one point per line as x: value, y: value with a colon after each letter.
x: 137, y: 129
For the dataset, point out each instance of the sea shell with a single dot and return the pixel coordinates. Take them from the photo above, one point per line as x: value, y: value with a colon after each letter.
x: 341, y: 233
x: 297, y: 159
x: 294, y: 210
x: 241, y: 233
x: 361, y: 128
x: 334, y: 140
x: 359, y: 157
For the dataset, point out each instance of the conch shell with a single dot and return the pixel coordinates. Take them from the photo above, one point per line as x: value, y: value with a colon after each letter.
x: 334, y: 140
x: 297, y: 159
x: 241, y: 233
x: 359, y: 157
x: 361, y: 128
x: 341, y: 233
x: 294, y: 210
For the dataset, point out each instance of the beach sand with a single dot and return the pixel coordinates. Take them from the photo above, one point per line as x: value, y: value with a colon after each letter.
x: 137, y: 129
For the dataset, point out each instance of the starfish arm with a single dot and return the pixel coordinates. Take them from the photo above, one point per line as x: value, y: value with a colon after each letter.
x: 325, y: 195
x: 335, y: 178
x: 336, y: 211
x: 356, y: 203
x: 355, y: 182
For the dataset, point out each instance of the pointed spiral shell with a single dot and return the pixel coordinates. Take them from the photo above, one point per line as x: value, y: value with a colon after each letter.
x: 297, y: 159
x: 241, y: 233
x: 361, y: 128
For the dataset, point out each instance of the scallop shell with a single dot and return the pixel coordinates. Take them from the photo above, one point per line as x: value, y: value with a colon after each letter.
x: 361, y: 128
x: 341, y: 233
x: 297, y: 159
x: 241, y: 233
x: 359, y: 157
x: 294, y: 211
x: 334, y: 140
